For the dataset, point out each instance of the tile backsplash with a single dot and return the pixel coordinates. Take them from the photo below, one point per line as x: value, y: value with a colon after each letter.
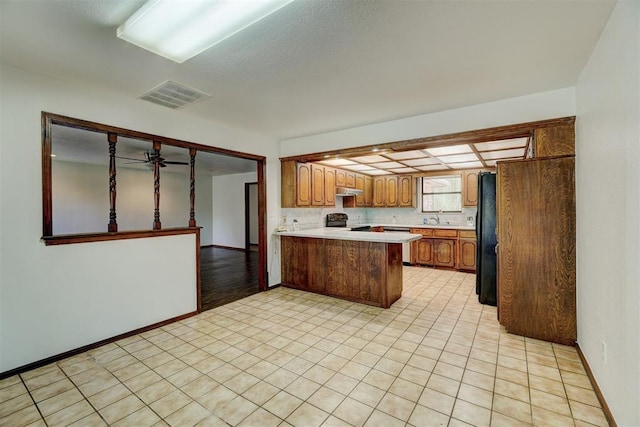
x: 315, y: 217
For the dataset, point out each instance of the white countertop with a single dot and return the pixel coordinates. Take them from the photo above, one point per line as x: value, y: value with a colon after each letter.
x: 346, y: 234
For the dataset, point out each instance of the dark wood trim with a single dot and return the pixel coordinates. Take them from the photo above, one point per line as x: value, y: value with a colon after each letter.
x: 68, y: 239
x: 467, y: 137
x: 94, y: 126
x: 113, y: 224
x: 47, y: 206
x: 198, y: 282
x: 263, y: 277
x: 192, y: 187
x: 79, y: 350
x: 157, y: 225
x: 605, y: 407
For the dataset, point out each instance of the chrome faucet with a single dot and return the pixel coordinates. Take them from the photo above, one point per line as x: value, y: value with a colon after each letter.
x: 437, y: 218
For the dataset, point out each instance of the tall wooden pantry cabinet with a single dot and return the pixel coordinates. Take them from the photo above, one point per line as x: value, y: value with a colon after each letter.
x: 537, y: 248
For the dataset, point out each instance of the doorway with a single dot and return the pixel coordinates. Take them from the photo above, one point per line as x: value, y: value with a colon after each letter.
x: 251, y: 216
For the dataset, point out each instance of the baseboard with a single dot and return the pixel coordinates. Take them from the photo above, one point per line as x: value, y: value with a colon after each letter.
x: 605, y: 408
x: 57, y: 357
x: 224, y: 247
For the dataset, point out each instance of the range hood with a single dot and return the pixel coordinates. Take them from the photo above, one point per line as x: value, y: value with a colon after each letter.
x: 344, y: 191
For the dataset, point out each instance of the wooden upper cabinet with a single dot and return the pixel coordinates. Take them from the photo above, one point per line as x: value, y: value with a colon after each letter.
x: 406, y: 194
x: 303, y: 180
x: 341, y: 178
x: 329, y: 186
x: 378, y: 192
x: 555, y: 141
x: 470, y: 188
x: 317, y: 185
x: 360, y: 186
x: 391, y: 191
x: 351, y: 180
x: 368, y: 191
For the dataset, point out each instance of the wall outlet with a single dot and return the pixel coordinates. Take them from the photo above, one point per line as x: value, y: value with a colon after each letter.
x: 603, y: 346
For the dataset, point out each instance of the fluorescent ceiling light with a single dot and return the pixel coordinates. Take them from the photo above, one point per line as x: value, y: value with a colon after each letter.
x: 179, y: 30
x: 451, y: 149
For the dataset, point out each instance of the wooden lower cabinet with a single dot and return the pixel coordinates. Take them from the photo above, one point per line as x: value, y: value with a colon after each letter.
x: 444, y: 253
x: 467, y: 255
x: 422, y: 251
x: 365, y: 272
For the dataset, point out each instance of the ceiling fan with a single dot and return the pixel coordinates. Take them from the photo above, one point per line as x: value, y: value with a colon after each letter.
x: 150, y: 159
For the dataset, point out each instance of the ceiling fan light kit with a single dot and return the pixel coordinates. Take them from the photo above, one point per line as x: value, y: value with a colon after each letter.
x: 179, y: 30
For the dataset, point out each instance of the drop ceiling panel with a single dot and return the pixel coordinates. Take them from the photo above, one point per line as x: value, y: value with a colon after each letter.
x: 452, y: 149
x: 466, y: 165
x: 459, y: 158
x: 338, y: 162
x: 402, y: 155
x: 501, y: 145
x: 369, y: 159
x: 421, y: 162
x: 503, y: 154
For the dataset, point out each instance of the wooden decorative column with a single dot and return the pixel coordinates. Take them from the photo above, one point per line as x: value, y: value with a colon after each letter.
x: 192, y: 188
x: 156, y: 186
x: 113, y: 224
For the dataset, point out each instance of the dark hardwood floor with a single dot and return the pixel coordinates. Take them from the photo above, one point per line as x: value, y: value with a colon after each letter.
x: 227, y: 275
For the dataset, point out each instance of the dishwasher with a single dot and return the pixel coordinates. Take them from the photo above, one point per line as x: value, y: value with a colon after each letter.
x: 406, y: 247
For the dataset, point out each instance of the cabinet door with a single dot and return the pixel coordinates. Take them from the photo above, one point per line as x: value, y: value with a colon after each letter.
x: 405, y: 191
x: 351, y: 179
x: 444, y: 254
x: 470, y: 188
x: 391, y: 191
x: 555, y: 141
x: 317, y: 185
x: 368, y: 191
x: 422, y: 251
x: 360, y: 186
x: 536, y: 218
x: 329, y: 186
x: 467, y: 255
x: 341, y: 178
x: 303, y: 187
x: 378, y: 192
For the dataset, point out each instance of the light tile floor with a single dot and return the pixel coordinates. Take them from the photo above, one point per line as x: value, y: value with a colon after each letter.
x: 285, y: 357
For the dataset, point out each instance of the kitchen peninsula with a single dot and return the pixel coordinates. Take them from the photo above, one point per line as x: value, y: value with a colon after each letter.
x: 352, y: 265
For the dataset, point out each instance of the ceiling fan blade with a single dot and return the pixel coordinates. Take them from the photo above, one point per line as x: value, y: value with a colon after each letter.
x: 162, y: 165
x: 175, y: 163
x: 129, y: 158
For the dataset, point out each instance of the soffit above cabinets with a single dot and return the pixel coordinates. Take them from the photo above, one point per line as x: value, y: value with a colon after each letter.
x: 445, y: 158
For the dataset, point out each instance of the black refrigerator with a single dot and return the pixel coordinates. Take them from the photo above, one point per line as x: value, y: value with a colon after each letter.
x: 486, y: 269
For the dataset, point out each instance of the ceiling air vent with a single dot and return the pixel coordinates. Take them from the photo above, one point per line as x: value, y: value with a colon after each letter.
x: 174, y: 95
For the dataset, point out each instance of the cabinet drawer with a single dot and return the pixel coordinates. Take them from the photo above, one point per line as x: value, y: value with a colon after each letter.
x: 423, y: 231
x: 445, y: 233
x: 467, y: 234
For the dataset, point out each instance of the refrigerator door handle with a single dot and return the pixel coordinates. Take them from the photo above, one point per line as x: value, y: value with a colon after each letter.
x: 495, y: 249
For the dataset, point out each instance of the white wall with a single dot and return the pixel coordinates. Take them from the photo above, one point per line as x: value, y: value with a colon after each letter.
x: 57, y: 298
x: 81, y: 199
x: 608, y: 201
x: 540, y: 106
x: 228, y: 209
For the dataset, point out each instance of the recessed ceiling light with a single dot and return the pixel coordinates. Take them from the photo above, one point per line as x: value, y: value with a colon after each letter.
x: 53, y: 155
x: 179, y: 30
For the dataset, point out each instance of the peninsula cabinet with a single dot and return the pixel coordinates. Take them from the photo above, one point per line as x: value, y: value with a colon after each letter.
x: 536, y: 217
x: 360, y: 271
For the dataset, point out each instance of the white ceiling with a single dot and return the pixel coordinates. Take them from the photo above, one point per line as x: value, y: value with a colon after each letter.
x: 321, y: 65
